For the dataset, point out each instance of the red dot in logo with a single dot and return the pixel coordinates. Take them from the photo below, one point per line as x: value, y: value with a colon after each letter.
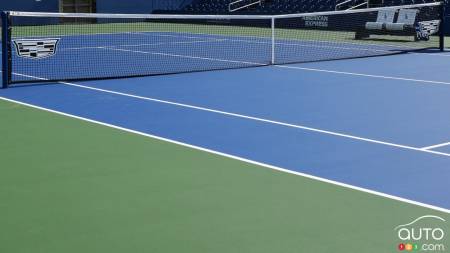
x: 401, y: 246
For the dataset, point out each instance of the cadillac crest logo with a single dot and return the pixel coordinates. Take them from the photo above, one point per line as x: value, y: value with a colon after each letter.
x: 36, y: 48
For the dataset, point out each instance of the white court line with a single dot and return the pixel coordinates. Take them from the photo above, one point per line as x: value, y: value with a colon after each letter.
x: 303, y: 40
x: 221, y: 40
x: 206, y: 40
x: 278, y: 38
x: 436, y: 146
x: 185, y: 56
x: 145, y: 44
x: 299, y: 41
x: 265, y: 165
x: 364, y: 75
x: 295, y: 44
x: 440, y: 54
x: 306, y: 128
x: 70, y: 35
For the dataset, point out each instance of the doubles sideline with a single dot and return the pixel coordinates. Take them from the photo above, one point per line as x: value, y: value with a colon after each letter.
x: 268, y: 166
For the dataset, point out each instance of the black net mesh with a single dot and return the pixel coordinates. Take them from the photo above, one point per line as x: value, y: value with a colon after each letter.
x: 109, y: 48
x: 342, y: 35
x: 61, y: 47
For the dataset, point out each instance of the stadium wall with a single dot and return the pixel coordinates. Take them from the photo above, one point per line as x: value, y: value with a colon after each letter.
x: 30, y: 5
x: 102, y: 6
x: 139, y: 6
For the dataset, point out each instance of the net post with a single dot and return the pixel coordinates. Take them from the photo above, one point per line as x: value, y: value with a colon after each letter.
x: 273, y: 40
x: 6, y: 49
x: 442, y: 26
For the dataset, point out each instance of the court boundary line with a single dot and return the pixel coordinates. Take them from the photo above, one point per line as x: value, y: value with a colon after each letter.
x: 289, y: 42
x: 167, y: 34
x: 185, y: 56
x: 279, y: 123
x: 237, y: 115
x: 236, y: 41
x: 322, y: 41
x: 289, y: 66
x: 437, y: 146
x: 277, y: 38
x: 234, y: 157
x: 143, y: 45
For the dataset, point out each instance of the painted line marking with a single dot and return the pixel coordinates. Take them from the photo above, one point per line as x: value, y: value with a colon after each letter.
x: 236, y: 115
x: 224, y: 40
x: 268, y: 37
x: 276, y: 168
x: 305, y: 40
x: 301, y: 43
x: 147, y: 44
x: 440, y: 54
x: 436, y: 146
x: 186, y: 56
x: 363, y: 75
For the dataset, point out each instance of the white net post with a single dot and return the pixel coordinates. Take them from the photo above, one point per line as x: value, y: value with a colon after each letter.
x: 273, y: 40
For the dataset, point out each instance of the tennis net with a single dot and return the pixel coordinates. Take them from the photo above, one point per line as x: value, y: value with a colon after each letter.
x: 68, y: 46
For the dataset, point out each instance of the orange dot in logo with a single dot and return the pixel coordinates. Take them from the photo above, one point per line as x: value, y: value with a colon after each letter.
x: 401, y: 246
x: 409, y: 247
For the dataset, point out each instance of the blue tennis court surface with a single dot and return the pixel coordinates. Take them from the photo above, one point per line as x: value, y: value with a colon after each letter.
x: 375, y: 124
